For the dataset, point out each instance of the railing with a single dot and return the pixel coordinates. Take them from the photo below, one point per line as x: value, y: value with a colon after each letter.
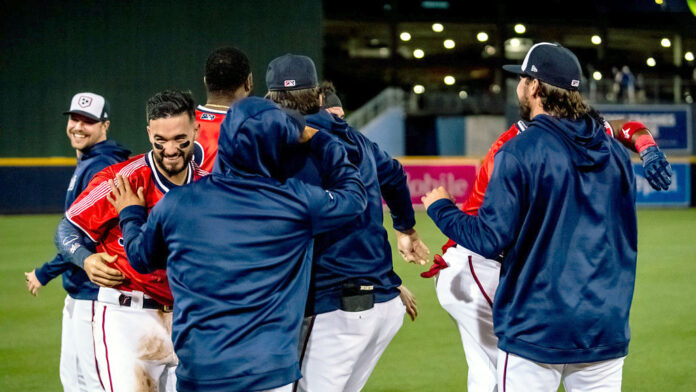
x: 388, y: 98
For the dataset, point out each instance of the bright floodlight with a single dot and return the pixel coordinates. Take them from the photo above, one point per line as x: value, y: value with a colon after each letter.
x: 515, y: 43
x: 666, y: 43
x: 405, y: 36
x: 596, y: 39
x: 449, y: 44
x: 482, y: 36
x: 689, y: 56
x: 596, y: 75
x: 463, y: 94
x: 437, y: 27
x: 450, y: 80
x: 418, y: 89
x: 651, y: 62
x: 520, y: 29
x: 418, y: 53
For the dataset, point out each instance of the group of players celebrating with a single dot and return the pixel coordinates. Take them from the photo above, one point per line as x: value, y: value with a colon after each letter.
x: 246, y: 251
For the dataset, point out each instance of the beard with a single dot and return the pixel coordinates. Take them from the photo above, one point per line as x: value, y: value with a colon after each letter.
x: 172, y: 170
x: 525, y: 109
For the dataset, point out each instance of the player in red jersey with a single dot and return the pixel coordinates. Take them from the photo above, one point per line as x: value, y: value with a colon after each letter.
x: 227, y: 79
x: 467, y: 282
x: 132, y: 325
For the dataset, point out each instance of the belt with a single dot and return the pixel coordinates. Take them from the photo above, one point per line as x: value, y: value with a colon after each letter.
x: 148, y: 303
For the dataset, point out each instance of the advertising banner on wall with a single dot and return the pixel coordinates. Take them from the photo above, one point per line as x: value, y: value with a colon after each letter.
x: 669, y: 124
x: 678, y: 194
x: 455, y: 174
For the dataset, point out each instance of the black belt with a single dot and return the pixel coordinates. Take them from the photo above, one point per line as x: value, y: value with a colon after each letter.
x: 148, y: 303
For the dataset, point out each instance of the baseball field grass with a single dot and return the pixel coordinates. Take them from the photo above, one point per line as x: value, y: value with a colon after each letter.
x: 426, y: 355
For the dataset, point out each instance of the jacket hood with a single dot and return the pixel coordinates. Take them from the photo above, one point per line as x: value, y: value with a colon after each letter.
x: 257, y: 138
x: 107, y: 147
x: 337, y: 127
x: 585, y: 138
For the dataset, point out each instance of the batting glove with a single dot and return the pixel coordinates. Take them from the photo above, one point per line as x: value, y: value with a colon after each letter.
x: 656, y: 169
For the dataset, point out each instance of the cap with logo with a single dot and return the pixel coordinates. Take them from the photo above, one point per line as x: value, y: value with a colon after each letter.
x: 551, y: 63
x: 291, y: 72
x: 90, y: 105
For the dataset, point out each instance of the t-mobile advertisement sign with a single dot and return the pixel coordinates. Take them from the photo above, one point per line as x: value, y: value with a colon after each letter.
x: 456, y: 175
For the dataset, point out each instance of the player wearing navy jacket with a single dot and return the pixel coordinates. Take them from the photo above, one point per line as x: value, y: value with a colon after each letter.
x: 88, y: 124
x: 240, y: 287
x: 561, y: 206
x: 353, y: 309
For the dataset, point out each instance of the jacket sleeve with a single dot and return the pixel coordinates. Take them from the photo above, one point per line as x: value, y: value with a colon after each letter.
x: 495, y: 227
x: 344, y: 197
x: 394, y: 188
x: 73, y: 245
x: 143, y: 239
x: 52, y: 269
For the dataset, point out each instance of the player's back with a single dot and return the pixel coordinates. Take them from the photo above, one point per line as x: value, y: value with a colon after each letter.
x: 208, y: 134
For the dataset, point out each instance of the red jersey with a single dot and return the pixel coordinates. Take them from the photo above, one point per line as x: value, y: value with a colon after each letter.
x: 97, y: 218
x: 208, y: 134
x: 473, y: 202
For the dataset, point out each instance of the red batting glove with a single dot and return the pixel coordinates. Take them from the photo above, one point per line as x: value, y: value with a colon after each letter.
x: 438, y: 264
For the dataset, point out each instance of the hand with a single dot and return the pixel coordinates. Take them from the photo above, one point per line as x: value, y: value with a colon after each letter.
x: 33, y: 284
x: 122, y: 195
x: 656, y: 169
x: 307, y: 134
x: 99, y: 272
x: 411, y: 248
x: 435, y: 195
x: 409, y: 301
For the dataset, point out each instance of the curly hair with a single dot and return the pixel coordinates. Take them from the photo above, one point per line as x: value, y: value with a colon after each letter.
x: 305, y: 100
x: 170, y: 103
x: 560, y: 102
x: 226, y: 69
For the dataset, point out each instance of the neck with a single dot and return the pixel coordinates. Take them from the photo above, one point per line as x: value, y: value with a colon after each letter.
x: 177, y: 179
x: 225, y: 99
x: 537, y: 109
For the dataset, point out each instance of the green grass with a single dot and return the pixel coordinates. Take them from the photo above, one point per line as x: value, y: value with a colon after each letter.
x: 426, y: 355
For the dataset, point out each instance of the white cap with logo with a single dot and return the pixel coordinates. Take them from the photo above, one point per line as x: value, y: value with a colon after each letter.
x: 90, y: 105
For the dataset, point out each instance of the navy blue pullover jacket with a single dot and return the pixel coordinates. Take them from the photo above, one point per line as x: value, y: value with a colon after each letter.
x: 92, y: 161
x: 358, y: 251
x: 237, y: 246
x: 561, y: 206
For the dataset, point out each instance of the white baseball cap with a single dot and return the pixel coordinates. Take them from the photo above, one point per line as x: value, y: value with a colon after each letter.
x: 90, y: 105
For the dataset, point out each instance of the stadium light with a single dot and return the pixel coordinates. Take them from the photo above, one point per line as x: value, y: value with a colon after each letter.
x: 651, y: 62
x: 418, y: 89
x: 520, y: 29
x: 449, y: 44
x: 689, y: 56
x: 515, y: 43
x: 482, y: 36
x: 666, y: 43
x: 405, y: 36
x: 490, y: 50
x: 463, y: 94
x: 418, y: 53
x: 596, y: 39
x: 450, y: 80
x: 596, y: 75
x: 438, y: 28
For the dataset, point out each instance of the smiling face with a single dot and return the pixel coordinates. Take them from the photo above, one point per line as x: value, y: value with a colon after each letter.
x: 172, y: 142
x: 84, y: 132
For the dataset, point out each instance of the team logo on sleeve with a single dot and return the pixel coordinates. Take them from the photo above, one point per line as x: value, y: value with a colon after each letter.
x: 207, y: 116
x: 84, y: 101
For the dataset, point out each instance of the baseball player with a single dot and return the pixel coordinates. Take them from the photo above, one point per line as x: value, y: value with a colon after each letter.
x: 240, y: 291
x: 565, y: 209
x: 88, y: 123
x: 467, y: 287
x: 132, y: 323
x: 354, y: 306
x: 227, y: 79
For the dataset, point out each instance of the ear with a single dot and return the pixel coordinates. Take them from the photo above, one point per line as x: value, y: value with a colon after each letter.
x: 534, y: 88
x: 106, y: 125
x: 205, y: 83
x: 249, y: 84
x: 149, y: 134
x: 196, y: 128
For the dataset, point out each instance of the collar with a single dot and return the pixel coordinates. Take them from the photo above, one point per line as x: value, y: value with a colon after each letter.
x: 202, y: 108
x: 161, y: 181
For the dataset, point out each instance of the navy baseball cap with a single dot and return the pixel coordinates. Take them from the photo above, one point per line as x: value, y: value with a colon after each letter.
x: 291, y: 72
x: 550, y: 63
x: 332, y: 100
x: 90, y: 105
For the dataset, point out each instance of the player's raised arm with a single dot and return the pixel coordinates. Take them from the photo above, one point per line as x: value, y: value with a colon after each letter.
x: 344, y: 197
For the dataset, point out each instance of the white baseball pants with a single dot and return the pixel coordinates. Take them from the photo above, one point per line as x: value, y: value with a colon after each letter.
x: 133, y: 345
x: 339, y: 350
x: 466, y: 290
x: 519, y: 374
x: 78, y: 365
